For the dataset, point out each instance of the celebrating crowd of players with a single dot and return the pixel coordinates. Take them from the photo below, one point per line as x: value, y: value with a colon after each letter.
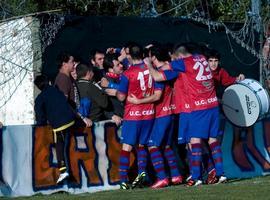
x: 147, y: 91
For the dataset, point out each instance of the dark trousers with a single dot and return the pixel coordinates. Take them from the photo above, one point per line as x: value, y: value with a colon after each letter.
x: 61, y: 147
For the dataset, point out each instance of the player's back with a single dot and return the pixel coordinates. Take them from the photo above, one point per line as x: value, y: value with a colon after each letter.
x: 164, y: 106
x: 199, y: 83
x: 180, y: 97
x: 140, y: 84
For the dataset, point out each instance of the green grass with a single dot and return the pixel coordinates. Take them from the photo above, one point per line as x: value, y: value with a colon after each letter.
x: 256, y: 188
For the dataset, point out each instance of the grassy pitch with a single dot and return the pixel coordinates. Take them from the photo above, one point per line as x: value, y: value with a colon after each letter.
x: 255, y: 188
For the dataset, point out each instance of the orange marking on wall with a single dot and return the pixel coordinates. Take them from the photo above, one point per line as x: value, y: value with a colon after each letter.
x: 88, y: 158
x: 44, y: 175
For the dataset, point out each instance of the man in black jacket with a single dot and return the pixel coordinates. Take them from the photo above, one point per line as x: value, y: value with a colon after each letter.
x: 52, y: 105
x: 91, y: 90
x: 97, y: 59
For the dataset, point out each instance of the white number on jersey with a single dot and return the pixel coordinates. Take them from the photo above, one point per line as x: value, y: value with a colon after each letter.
x: 142, y: 81
x: 203, y: 67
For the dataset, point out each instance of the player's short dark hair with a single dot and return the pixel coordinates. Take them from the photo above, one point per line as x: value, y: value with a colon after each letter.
x: 136, y: 51
x: 146, y: 52
x: 129, y: 44
x: 93, y: 53
x: 213, y: 54
x: 108, y: 61
x: 82, y: 70
x: 160, y: 52
x: 77, y: 58
x: 169, y: 46
x: 63, y: 57
x: 41, y: 81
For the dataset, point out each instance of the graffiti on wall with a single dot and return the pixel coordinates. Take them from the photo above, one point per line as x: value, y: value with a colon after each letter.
x: 83, y: 157
x: 245, y: 150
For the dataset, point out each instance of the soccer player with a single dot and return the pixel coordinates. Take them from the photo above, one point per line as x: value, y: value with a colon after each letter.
x: 161, y: 134
x: 221, y: 78
x: 138, y: 119
x: 202, y: 120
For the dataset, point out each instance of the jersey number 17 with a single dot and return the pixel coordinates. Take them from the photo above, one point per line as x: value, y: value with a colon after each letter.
x: 141, y: 77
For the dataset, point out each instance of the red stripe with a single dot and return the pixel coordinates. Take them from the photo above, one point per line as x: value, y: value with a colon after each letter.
x: 170, y: 156
x: 195, y: 163
x: 156, y: 156
x: 174, y: 167
x: 214, y: 144
x: 216, y: 151
x: 153, y: 150
x: 168, y: 149
x: 124, y: 153
x: 160, y: 170
x: 196, y: 145
x: 142, y: 155
x: 140, y: 148
x: 124, y: 164
x: 218, y: 160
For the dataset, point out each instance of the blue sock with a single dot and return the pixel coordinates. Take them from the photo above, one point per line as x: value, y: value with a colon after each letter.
x: 170, y: 157
x: 208, y: 161
x: 189, y: 157
x: 142, y: 159
x: 217, y: 157
x: 124, y: 165
x: 158, y: 163
x: 196, y: 150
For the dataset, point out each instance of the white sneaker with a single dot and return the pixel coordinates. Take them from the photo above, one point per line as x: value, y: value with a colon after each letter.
x: 222, y: 179
x: 192, y: 183
x: 188, y: 178
x: 198, y: 182
x: 62, y: 177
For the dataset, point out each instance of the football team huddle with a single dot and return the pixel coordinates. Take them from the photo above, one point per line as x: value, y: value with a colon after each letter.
x: 152, y: 92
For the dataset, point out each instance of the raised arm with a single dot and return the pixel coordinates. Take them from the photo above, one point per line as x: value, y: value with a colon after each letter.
x: 177, y: 67
x: 157, y: 76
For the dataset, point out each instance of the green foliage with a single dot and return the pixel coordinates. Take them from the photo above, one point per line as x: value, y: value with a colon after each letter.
x: 220, y: 10
x: 10, y: 8
x: 231, y: 10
